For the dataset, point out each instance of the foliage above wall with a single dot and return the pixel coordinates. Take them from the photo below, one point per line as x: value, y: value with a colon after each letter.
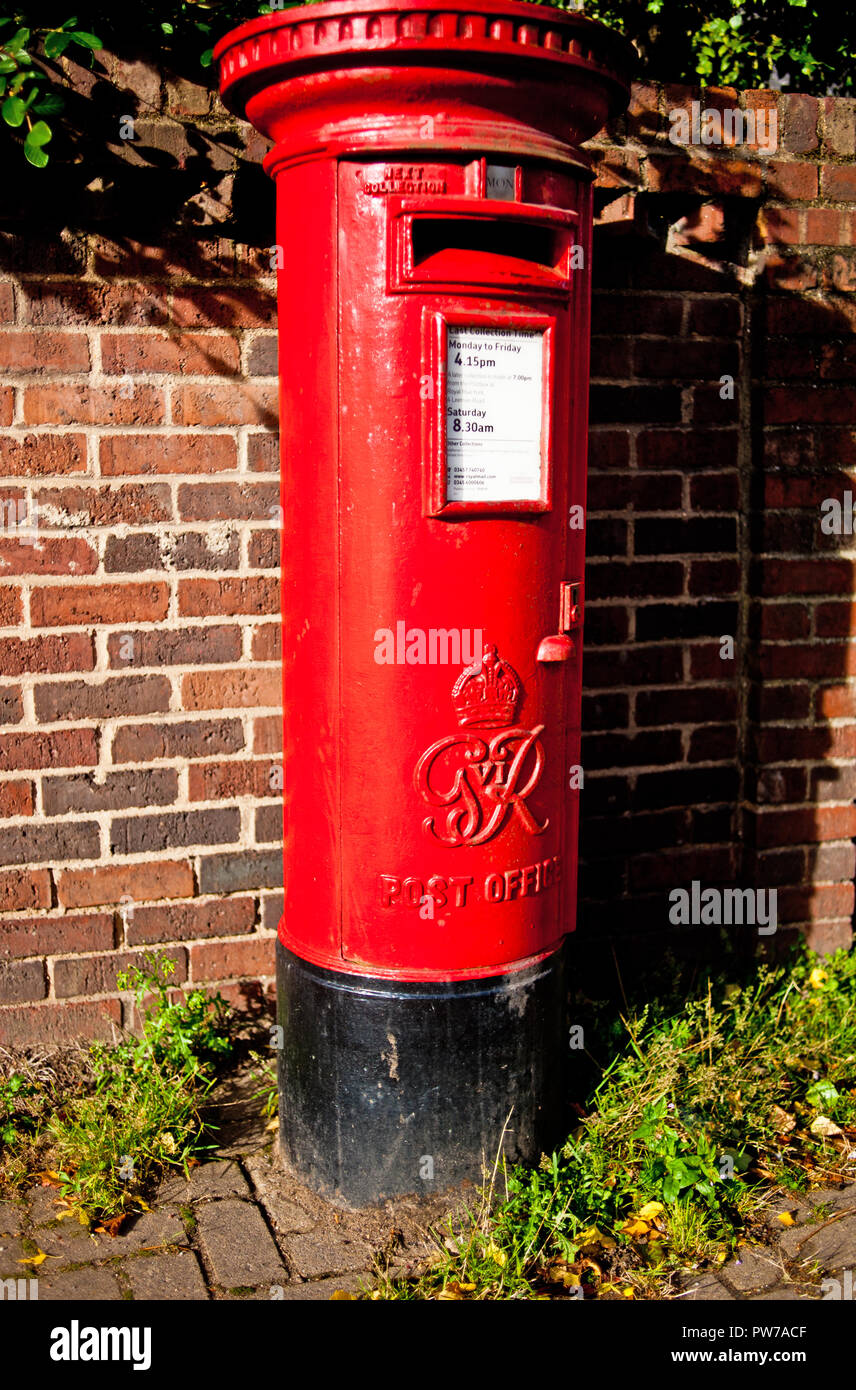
x: 743, y: 43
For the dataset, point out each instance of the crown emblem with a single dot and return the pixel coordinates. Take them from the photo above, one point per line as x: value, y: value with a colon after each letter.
x: 485, y: 696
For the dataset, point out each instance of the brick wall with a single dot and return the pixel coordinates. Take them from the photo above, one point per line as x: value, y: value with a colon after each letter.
x: 140, y: 748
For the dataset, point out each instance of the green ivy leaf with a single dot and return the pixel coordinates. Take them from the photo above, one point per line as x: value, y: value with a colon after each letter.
x: 50, y: 104
x: 206, y: 57
x: 56, y: 43
x: 37, y: 136
x: 13, y: 111
x: 86, y: 40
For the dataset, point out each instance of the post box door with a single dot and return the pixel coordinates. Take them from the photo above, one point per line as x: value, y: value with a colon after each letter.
x: 458, y: 716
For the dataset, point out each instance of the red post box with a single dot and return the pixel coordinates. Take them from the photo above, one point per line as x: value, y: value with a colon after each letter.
x: 434, y: 219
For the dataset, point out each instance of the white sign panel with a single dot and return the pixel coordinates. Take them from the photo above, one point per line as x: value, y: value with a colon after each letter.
x: 494, y: 414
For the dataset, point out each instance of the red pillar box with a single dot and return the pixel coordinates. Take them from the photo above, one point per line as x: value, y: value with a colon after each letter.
x: 434, y: 215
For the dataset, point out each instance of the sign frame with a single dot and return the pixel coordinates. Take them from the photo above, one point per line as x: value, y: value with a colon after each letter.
x: 437, y: 502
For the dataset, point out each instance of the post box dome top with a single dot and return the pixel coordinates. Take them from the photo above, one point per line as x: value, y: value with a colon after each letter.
x: 511, y: 36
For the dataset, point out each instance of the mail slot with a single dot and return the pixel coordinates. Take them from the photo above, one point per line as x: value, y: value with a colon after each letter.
x: 434, y: 233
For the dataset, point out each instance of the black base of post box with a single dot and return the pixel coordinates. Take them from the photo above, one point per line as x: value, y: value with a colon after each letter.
x: 390, y: 1088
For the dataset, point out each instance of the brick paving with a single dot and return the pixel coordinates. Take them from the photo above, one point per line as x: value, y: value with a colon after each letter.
x: 240, y: 1228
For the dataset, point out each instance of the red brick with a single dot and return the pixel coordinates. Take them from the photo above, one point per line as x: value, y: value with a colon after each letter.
x: 239, y: 307
x: 811, y: 825
x: 251, y: 403
x: 226, y: 780
x: 185, y: 646
x: 43, y: 352
x: 826, y: 227
x: 70, y: 652
x: 806, y: 576
x: 67, y: 303
x: 790, y: 272
x: 228, y: 501
x: 231, y: 689
x: 61, y: 1023
x: 188, y: 921
x: 839, y: 126
x: 817, y: 405
x: 186, y: 738
x: 835, y: 620
x: 7, y: 302
x: 811, y: 902
x: 11, y: 705
x: 204, y: 598
x: 267, y: 644
x: 837, y: 702
x: 62, y: 748
x: 167, y: 453
x: 37, y: 455
x: 10, y: 605
x: 108, y: 698
x: 800, y: 119
x: 263, y: 453
x: 110, y: 505
x: 783, y: 621
x: 24, y: 889
x: 49, y: 936
x: 795, y: 181
x: 267, y: 734
x: 16, y: 799
x: 97, y: 974
x: 21, y: 981
x: 92, y: 405
x: 222, y: 960
x: 50, y: 555
x: 190, y: 354
x: 165, y: 878
x: 108, y: 603
x: 839, y: 182
x: 781, y: 225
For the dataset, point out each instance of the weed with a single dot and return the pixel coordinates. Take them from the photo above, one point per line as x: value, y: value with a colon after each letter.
x: 701, y: 1112
x: 137, y: 1113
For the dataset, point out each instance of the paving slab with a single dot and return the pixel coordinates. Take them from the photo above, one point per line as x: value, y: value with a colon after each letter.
x: 237, y: 1245
x: 708, y: 1289
x: 784, y: 1294
x: 67, y: 1243
x: 153, y: 1229
x: 222, y: 1178
x: 313, y: 1256
x: 88, y: 1285
x: 833, y: 1244
x: 167, y: 1277
x: 753, y: 1270
x: 11, y: 1251
x: 11, y: 1219
x: 42, y: 1205
x: 274, y: 1192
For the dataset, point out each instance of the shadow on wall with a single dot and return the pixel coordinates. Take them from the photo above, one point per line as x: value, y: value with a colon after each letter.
x: 140, y: 152
x: 718, y: 612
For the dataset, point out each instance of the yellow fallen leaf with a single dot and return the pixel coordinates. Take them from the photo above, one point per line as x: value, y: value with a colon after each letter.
x: 628, y: 1292
x: 494, y: 1253
x: 634, y: 1228
x: 824, y: 1128
x: 592, y: 1236
x: 786, y: 1218
x: 467, y: 1288
x: 342, y: 1296
x: 274, y: 1124
x: 33, y: 1259
x: 141, y: 1204
x: 781, y: 1120
x: 650, y: 1210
